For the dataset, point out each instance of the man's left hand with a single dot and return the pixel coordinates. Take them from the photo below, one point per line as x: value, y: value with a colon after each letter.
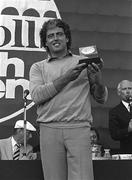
x: 94, y: 73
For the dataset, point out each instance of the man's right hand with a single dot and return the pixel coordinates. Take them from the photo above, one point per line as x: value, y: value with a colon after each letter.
x: 73, y: 73
x: 69, y: 76
x: 130, y: 126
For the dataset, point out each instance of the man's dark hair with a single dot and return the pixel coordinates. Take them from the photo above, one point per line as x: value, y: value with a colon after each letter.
x: 51, y: 24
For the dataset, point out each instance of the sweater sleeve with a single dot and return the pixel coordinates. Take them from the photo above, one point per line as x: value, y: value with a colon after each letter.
x: 102, y: 98
x: 40, y: 90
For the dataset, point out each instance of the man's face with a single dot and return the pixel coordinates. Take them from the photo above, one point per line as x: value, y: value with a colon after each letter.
x: 93, y: 137
x: 126, y: 90
x: 21, y: 135
x: 56, y: 41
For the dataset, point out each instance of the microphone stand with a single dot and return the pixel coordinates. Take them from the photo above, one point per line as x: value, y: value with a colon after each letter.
x: 25, y: 122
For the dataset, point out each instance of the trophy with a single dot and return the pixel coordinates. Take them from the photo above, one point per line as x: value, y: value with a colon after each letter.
x: 90, y: 55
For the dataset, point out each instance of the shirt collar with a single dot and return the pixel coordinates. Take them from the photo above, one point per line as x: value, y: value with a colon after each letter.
x: 13, y: 141
x: 126, y: 104
x: 50, y: 58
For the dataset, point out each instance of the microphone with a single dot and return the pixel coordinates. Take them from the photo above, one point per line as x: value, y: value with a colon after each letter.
x: 129, y: 98
x: 26, y: 93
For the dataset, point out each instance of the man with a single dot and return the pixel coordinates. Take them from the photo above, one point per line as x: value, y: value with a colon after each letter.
x: 60, y: 87
x: 120, y: 118
x: 12, y: 148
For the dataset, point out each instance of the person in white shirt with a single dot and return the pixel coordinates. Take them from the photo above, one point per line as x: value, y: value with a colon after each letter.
x: 13, y: 148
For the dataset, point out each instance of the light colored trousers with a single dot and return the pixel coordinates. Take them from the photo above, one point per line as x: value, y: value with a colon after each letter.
x: 66, y: 153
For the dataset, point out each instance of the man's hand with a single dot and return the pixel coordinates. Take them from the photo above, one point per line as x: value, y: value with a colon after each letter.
x: 130, y: 126
x: 73, y: 73
x: 69, y: 76
x: 30, y: 156
x: 24, y: 158
x: 94, y: 74
x: 97, y: 88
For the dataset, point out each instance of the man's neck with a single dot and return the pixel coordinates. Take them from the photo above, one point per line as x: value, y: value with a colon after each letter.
x: 54, y: 58
x: 59, y: 54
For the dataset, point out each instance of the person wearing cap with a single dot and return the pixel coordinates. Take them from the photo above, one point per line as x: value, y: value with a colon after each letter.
x: 12, y: 148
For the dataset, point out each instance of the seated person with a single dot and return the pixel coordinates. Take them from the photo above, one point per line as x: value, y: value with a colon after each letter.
x: 97, y: 149
x: 12, y: 148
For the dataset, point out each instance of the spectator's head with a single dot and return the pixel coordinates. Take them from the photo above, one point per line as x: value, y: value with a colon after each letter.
x: 124, y: 90
x: 19, y: 131
x: 94, y: 135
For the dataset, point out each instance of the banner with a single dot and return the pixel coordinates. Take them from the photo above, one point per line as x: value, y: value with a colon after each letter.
x: 20, y: 23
